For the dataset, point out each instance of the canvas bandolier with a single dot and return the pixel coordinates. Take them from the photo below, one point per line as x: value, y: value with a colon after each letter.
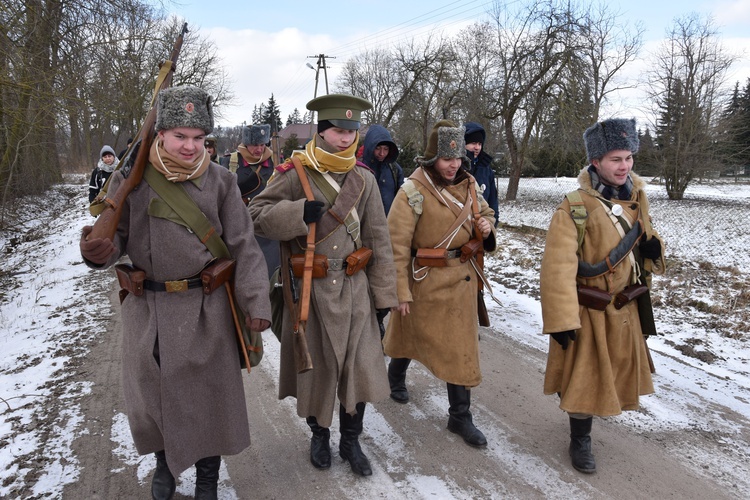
x: 250, y: 343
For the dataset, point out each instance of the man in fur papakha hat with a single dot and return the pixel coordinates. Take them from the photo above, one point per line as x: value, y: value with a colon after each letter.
x: 253, y: 164
x: 600, y: 236
x: 181, y: 373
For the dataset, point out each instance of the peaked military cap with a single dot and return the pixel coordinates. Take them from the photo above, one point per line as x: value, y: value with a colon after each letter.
x: 342, y: 110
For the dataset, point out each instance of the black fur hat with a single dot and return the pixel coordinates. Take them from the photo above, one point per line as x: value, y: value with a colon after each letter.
x: 253, y: 135
x: 609, y: 135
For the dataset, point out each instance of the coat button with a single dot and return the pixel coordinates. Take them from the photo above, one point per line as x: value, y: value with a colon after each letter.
x: 468, y: 278
x: 335, y: 247
x: 334, y: 282
x: 633, y: 206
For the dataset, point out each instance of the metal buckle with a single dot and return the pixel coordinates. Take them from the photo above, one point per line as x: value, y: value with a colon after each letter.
x: 176, y: 286
x: 335, y: 264
x: 353, y: 230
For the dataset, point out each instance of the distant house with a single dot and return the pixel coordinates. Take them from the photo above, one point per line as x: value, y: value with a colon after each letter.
x: 303, y: 131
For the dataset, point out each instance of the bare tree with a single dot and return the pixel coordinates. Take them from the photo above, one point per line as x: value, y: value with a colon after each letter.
x: 686, y: 85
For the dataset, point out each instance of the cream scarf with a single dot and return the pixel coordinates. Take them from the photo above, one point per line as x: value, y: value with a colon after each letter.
x: 173, y: 168
x: 252, y: 160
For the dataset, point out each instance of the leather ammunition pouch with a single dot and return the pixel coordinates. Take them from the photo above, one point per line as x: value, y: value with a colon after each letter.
x: 432, y: 257
x: 593, y: 298
x: 631, y: 292
x: 357, y: 260
x: 320, y: 265
x: 470, y: 249
x: 215, y: 275
x: 130, y: 279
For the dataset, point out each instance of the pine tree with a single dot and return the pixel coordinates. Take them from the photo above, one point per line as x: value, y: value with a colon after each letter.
x: 272, y: 115
x: 295, y: 117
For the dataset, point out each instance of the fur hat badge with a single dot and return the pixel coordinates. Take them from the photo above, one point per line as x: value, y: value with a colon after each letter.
x: 253, y: 135
x: 609, y: 135
x: 184, y: 106
x: 446, y: 141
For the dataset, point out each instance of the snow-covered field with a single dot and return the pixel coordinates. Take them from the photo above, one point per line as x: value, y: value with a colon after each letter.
x: 52, y: 306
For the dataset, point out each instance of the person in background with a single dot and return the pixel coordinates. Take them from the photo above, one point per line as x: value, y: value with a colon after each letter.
x: 211, y: 149
x: 380, y: 155
x: 480, y: 164
x: 127, y: 146
x: 598, y: 361
x: 182, y: 382
x: 253, y: 164
x: 103, y: 169
x: 436, y: 321
x: 342, y: 332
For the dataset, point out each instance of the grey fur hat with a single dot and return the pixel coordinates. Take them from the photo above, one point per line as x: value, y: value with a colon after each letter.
x: 184, y: 106
x: 609, y: 135
x: 253, y: 135
x: 446, y: 141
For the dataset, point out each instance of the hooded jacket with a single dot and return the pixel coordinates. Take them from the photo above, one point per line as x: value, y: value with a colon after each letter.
x: 388, y: 173
x: 481, y: 169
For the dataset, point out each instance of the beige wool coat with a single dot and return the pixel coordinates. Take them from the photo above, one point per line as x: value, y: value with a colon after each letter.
x: 441, y: 330
x: 192, y: 403
x: 605, y: 370
x: 342, y: 331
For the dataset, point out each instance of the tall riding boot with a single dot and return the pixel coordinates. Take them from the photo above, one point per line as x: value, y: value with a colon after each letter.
x: 460, y: 421
x: 320, y: 447
x: 397, y: 378
x: 580, y: 445
x: 349, y: 449
x: 207, y: 478
x: 163, y: 484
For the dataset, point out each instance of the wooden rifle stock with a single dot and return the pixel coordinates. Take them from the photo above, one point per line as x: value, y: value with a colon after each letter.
x: 106, y: 224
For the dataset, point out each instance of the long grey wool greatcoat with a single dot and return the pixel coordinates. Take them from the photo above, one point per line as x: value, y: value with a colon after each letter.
x: 441, y: 329
x: 342, y: 330
x: 605, y: 370
x: 191, y: 403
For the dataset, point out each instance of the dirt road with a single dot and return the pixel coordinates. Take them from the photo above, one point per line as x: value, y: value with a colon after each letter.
x: 412, y: 453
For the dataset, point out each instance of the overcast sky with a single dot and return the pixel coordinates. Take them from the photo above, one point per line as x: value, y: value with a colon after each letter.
x: 265, y: 45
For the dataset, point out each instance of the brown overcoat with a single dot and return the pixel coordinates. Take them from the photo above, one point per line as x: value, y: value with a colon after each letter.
x: 441, y: 330
x: 191, y: 404
x: 342, y: 331
x: 606, y: 368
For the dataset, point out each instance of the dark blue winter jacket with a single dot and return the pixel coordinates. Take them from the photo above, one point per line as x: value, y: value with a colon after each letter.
x: 481, y: 169
x: 389, y: 174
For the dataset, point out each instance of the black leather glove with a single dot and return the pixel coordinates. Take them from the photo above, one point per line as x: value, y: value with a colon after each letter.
x: 562, y: 338
x: 381, y: 314
x: 313, y: 211
x: 650, y: 249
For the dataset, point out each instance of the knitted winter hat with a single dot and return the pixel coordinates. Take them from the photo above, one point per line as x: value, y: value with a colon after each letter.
x: 609, y: 135
x: 107, y: 149
x: 254, y: 135
x: 185, y: 106
x: 446, y: 141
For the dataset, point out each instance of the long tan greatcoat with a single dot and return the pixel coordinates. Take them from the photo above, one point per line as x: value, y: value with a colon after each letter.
x: 441, y: 330
x: 192, y: 403
x: 605, y: 369
x: 342, y: 331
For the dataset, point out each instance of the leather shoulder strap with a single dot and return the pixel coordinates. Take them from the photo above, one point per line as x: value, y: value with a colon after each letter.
x: 304, y: 309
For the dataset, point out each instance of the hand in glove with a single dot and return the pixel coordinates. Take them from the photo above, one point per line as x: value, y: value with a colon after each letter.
x: 97, y: 250
x: 562, y: 338
x: 650, y: 249
x: 256, y: 324
x: 381, y: 314
x: 313, y: 211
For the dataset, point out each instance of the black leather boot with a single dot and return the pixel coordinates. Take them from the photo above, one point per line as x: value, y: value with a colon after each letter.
x: 460, y: 421
x: 397, y: 378
x: 207, y: 478
x: 162, y: 484
x: 349, y: 449
x: 580, y: 445
x: 320, y: 447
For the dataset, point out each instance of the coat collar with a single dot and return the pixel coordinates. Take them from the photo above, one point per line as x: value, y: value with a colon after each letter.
x: 584, y: 180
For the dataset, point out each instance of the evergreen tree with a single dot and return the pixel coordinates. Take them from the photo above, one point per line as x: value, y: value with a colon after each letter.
x: 272, y: 115
x: 258, y: 114
x: 293, y: 118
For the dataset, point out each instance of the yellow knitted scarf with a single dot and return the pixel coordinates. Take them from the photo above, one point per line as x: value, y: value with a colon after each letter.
x: 317, y: 158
